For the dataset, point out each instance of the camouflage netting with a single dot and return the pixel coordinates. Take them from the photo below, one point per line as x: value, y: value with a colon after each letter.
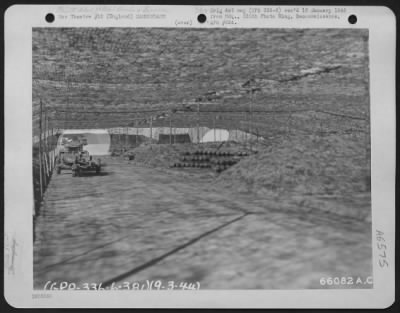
x: 308, y: 171
x: 309, y: 165
x: 305, y: 91
x: 115, y: 77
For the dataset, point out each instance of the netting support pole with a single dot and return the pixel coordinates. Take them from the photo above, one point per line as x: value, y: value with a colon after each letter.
x: 170, y: 128
x: 246, y: 129
x: 251, y: 118
x: 137, y: 132
x: 126, y: 138
x: 50, y: 146
x: 215, y: 131
x: 151, y: 128
x: 44, y: 152
x: 46, y: 143
x: 53, y: 146
x: 40, y: 151
x: 198, y: 122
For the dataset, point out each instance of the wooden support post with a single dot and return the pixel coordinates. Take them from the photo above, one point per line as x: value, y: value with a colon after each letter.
x: 251, y: 118
x: 50, y: 146
x: 46, y: 120
x: 47, y: 172
x: 45, y: 144
x: 44, y: 167
x: 40, y: 152
x: 53, y: 147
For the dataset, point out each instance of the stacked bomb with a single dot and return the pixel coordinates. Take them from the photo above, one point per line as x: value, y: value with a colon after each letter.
x: 197, y: 158
x: 214, y: 159
x: 225, y: 159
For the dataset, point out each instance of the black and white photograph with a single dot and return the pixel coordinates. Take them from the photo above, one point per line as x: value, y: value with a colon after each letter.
x: 201, y: 158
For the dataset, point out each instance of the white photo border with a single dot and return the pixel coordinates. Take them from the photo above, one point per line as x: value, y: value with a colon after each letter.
x: 18, y: 286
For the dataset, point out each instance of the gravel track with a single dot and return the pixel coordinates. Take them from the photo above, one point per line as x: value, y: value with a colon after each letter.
x: 135, y: 223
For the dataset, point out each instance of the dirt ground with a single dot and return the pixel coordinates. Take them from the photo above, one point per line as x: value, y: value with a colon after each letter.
x: 134, y: 223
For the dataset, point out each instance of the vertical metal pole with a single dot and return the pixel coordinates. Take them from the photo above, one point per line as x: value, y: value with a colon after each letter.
x: 198, y: 122
x: 46, y: 143
x: 65, y: 119
x: 246, y: 129
x: 40, y: 152
x: 151, y: 128
x: 46, y: 162
x: 215, y: 131
x: 170, y: 128
x: 251, y: 118
x: 126, y: 138
x: 137, y: 133
x: 44, y: 154
x: 52, y: 147
x: 119, y: 137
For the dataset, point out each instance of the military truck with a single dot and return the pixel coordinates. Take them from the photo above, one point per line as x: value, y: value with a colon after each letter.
x: 67, y: 156
x: 73, y: 157
x: 74, y: 139
x: 85, y: 163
